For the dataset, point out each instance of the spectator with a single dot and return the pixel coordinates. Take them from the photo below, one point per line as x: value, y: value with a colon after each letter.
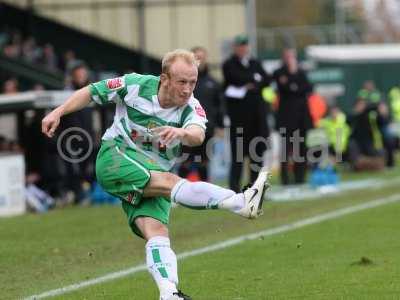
x: 14, y: 48
x: 38, y: 87
x: 389, y: 139
x: 78, y: 173
x: 244, y: 80
x: 30, y: 51
x: 337, y: 130
x: 394, y: 102
x: 37, y: 199
x: 376, y: 137
x: 366, y: 143
x: 49, y: 58
x: 293, y: 116
x: 43, y: 164
x: 10, y: 86
x: 209, y: 94
x: 68, y: 62
x: 369, y: 92
x: 4, y: 37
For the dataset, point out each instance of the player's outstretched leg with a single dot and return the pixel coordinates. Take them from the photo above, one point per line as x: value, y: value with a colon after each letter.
x: 253, y: 197
x: 206, y: 195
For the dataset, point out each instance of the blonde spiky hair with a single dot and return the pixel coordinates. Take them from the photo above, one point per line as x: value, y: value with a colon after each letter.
x: 170, y: 57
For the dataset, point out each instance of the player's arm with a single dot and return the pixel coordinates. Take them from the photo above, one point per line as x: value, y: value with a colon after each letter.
x: 192, y: 135
x: 77, y: 101
x: 192, y: 132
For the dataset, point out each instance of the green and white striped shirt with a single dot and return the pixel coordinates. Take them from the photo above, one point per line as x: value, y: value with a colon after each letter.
x: 138, y: 111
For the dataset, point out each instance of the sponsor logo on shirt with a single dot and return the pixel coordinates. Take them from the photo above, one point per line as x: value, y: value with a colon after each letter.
x: 134, y: 134
x: 115, y: 83
x: 200, y: 111
x: 152, y: 125
x: 131, y: 197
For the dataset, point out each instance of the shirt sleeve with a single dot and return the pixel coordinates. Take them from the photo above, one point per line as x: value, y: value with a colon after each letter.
x: 194, y: 114
x: 108, y: 90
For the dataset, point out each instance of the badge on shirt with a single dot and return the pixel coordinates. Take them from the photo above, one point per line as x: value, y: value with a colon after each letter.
x: 115, y: 83
x: 131, y: 197
x: 200, y: 111
x: 134, y: 134
x: 151, y: 125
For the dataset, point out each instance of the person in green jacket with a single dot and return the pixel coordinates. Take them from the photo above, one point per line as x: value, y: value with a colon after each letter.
x: 369, y: 92
x: 394, y: 102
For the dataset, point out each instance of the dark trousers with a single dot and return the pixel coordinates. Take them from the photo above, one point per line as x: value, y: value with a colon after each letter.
x: 389, y: 143
x: 82, y: 170
x: 296, y: 152
x: 197, y: 159
x: 248, y: 121
x: 238, y: 153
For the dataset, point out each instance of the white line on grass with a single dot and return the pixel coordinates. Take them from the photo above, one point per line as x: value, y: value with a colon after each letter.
x: 225, y: 244
x: 306, y: 192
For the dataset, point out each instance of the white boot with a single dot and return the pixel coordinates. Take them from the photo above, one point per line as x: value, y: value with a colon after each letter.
x: 253, y: 196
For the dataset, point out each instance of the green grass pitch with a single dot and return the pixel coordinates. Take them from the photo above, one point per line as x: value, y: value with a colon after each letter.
x: 352, y: 257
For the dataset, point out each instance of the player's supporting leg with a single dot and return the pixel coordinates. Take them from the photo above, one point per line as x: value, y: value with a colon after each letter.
x: 160, y: 258
x: 203, y: 195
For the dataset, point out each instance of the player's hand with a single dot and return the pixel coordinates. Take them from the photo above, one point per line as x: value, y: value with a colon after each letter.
x: 168, y: 134
x: 50, y: 123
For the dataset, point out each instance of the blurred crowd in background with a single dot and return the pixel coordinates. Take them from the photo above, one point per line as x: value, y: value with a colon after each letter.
x: 249, y: 102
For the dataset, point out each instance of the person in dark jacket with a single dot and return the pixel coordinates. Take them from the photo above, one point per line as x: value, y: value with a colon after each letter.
x: 293, y: 118
x: 371, y: 137
x: 208, y: 92
x: 244, y: 80
x: 78, y: 170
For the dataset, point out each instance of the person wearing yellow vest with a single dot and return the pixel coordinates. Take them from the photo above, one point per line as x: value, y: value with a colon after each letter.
x: 336, y: 129
x: 394, y: 102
